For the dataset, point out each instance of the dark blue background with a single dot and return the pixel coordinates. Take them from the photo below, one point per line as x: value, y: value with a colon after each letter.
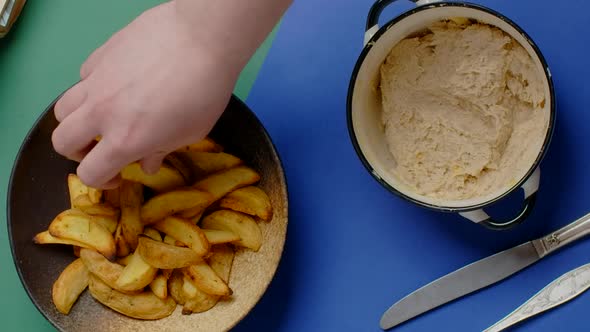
x: 353, y: 248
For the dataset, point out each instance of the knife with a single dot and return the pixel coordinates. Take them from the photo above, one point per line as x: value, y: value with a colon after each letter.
x: 482, y: 273
x: 561, y: 290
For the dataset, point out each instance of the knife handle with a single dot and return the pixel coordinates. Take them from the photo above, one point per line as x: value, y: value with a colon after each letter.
x: 563, y: 236
x: 561, y: 290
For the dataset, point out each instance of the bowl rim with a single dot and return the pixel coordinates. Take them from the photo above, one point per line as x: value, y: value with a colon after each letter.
x: 10, y: 188
x: 367, y: 48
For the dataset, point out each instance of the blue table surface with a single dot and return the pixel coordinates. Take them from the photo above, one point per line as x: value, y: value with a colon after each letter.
x: 353, y: 248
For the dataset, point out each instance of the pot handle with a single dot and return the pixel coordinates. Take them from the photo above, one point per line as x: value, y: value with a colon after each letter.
x: 373, y: 17
x: 530, y: 188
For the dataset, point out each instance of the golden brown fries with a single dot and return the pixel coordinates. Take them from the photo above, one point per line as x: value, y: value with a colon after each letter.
x: 186, y: 232
x: 131, y: 199
x: 219, y: 184
x: 142, y: 259
x: 176, y: 161
x: 72, y: 281
x: 204, y: 145
x: 152, y: 234
x: 99, y: 266
x: 205, y: 278
x: 215, y: 236
x: 76, y: 188
x: 175, y: 285
x: 242, y: 225
x: 221, y: 261
x: 204, y: 163
x: 165, y: 256
x: 144, y: 305
x: 136, y: 275
x: 123, y: 249
x: 46, y: 238
x: 222, y: 183
x: 250, y: 200
x: 159, y: 286
x: 167, y: 178
x: 81, y: 228
x: 171, y: 202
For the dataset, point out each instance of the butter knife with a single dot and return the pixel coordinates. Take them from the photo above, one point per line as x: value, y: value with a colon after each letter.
x: 482, y: 273
x: 561, y: 290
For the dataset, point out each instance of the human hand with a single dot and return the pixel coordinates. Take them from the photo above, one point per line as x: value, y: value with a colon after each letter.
x: 150, y: 89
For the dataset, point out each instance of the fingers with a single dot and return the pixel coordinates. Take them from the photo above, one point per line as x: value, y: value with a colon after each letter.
x: 75, y: 135
x: 151, y: 164
x: 102, y: 165
x: 92, y: 61
x: 70, y: 101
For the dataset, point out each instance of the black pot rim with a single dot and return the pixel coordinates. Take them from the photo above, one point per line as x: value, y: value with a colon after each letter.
x: 390, y: 24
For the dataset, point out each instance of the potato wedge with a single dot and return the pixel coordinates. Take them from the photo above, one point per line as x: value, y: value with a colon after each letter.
x: 82, y: 201
x: 175, y: 283
x: 76, y: 188
x: 205, y: 145
x: 241, y: 224
x: 111, y: 196
x: 250, y: 200
x: 196, y: 218
x: 124, y: 260
x: 123, y: 249
x: 165, y: 256
x: 101, y: 209
x: 205, y: 163
x: 167, y: 178
x: 98, y: 265
x: 189, y: 290
x: 152, y: 234
x: 221, y: 183
x: 215, y: 236
x: 109, y: 223
x: 46, y: 238
x: 131, y: 199
x: 171, y: 202
x: 72, y: 281
x: 159, y: 286
x: 201, y: 302
x: 185, y: 232
x: 221, y: 261
x: 95, y: 195
x: 145, y: 305
x: 169, y: 240
x: 82, y: 228
x: 181, y: 165
x: 136, y: 275
x: 207, y: 280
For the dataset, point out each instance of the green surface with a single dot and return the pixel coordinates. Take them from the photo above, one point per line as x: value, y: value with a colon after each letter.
x: 38, y: 60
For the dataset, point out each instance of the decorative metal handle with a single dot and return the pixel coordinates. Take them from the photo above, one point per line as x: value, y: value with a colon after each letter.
x: 530, y: 188
x: 562, y: 237
x: 561, y: 290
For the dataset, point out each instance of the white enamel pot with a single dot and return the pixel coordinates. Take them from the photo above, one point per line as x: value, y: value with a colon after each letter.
x: 364, y: 106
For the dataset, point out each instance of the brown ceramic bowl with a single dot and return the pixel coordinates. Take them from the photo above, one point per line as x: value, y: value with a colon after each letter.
x: 38, y: 192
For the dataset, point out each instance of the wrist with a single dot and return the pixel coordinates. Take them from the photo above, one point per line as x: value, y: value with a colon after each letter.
x: 209, y: 40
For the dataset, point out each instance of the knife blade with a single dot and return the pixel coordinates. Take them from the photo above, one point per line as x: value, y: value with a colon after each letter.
x: 482, y: 273
x: 560, y: 291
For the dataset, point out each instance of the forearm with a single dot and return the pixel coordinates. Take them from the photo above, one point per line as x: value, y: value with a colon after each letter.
x: 231, y: 29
